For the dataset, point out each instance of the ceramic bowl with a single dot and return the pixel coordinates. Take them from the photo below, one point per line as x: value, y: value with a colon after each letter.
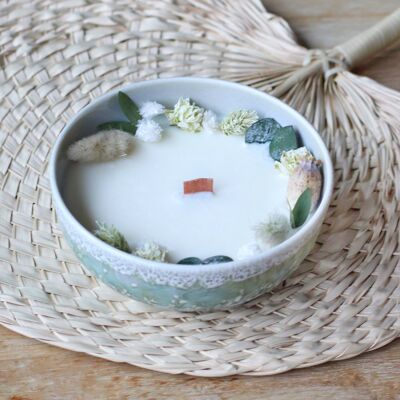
x: 188, y: 287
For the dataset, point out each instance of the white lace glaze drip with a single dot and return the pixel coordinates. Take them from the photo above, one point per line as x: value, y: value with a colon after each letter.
x: 169, y: 277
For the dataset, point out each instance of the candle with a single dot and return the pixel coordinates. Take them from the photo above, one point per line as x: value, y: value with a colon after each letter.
x: 142, y: 193
x: 196, y: 197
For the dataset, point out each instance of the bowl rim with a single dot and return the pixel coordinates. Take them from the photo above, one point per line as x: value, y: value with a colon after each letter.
x: 282, y: 248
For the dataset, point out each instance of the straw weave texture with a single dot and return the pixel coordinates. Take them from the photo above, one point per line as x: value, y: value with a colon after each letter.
x: 58, y: 56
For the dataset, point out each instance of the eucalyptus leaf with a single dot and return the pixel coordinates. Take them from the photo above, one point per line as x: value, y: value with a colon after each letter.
x: 128, y: 107
x: 285, y: 139
x: 302, y: 209
x: 120, y: 125
x: 190, y: 261
x: 217, y: 260
x: 262, y: 131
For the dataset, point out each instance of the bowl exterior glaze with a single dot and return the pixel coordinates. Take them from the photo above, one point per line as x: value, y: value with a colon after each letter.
x: 216, y: 291
x: 184, y: 287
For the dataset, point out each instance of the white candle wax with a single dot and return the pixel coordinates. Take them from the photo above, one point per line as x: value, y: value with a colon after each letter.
x: 142, y: 194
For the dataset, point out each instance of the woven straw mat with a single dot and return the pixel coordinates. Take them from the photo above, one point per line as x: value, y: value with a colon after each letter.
x: 58, y: 56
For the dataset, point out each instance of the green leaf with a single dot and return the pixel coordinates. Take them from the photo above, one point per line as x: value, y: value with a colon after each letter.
x: 302, y: 209
x: 209, y: 260
x: 217, y: 260
x: 285, y: 139
x: 262, y: 131
x: 120, y: 125
x: 128, y: 107
x: 190, y: 261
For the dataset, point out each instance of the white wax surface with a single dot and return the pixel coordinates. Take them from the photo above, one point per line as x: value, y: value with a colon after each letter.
x: 142, y: 194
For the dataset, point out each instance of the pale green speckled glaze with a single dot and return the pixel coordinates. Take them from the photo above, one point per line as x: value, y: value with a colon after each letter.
x: 196, y: 297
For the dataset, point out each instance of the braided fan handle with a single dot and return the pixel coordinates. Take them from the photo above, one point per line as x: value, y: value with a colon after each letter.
x: 352, y: 53
x: 372, y: 41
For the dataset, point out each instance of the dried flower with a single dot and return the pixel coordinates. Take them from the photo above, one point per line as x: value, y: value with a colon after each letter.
x: 111, y: 236
x: 151, y: 109
x: 248, y: 250
x: 291, y: 159
x: 102, y: 146
x: 306, y: 175
x: 186, y: 116
x: 151, y: 251
x: 273, y: 230
x: 148, y: 130
x: 237, y: 122
x: 210, y: 124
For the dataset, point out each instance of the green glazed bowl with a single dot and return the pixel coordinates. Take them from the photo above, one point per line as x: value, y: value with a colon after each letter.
x: 188, y: 287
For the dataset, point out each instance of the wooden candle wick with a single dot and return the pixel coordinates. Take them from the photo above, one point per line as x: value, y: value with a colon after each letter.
x: 198, y: 185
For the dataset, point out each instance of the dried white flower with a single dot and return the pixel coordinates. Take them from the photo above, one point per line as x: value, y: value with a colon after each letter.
x: 111, y: 236
x: 151, y: 251
x: 273, y: 230
x: 102, y: 146
x: 306, y: 175
x: 148, y: 130
x: 210, y: 123
x: 237, y: 122
x: 248, y: 250
x: 292, y: 158
x: 151, y: 109
x: 186, y: 115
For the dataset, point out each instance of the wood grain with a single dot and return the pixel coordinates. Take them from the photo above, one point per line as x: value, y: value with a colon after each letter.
x: 35, y: 371
x: 32, y: 370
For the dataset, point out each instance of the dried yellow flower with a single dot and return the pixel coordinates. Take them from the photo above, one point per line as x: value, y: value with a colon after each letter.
x: 186, y: 115
x: 111, y: 236
x: 151, y: 251
x: 237, y: 122
x: 292, y: 158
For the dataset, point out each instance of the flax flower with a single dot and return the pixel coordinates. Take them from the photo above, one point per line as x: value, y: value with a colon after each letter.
x: 151, y: 109
x: 148, y: 130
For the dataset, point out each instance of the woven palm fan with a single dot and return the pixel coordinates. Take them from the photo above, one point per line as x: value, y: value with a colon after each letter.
x: 343, y: 301
x: 358, y: 118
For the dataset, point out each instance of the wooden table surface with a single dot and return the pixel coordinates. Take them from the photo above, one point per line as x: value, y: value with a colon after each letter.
x: 32, y: 370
